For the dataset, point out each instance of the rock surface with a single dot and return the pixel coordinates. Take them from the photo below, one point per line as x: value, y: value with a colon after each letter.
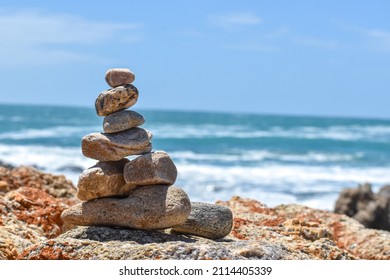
x: 155, y: 168
x: 148, y: 207
x: 207, y: 220
x: 24, y: 176
x: 115, y: 146
x: 6, y: 165
x: 321, y: 234
x: 370, y: 209
x: 119, y: 244
x: 122, y: 120
x: 116, y: 99
x: 30, y: 208
x: 119, y: 77
x: 105, y: 179
x: 259, y: 232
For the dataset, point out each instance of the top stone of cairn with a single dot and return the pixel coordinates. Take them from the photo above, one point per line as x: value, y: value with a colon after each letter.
x: 119, y: 77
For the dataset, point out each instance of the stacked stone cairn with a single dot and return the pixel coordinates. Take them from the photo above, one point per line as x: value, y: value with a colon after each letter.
x: 136, y: 193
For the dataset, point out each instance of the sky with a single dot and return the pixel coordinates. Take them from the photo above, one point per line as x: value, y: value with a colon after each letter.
x: 302, y: 57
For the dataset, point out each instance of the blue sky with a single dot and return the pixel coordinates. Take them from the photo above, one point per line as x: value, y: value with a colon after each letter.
x: 289, y: 57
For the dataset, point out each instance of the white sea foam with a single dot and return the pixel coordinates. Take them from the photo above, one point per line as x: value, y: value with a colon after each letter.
x: 260, y: 155
x: 51, y: 132
x: 47, y: 158
x: 275, y: 184
x: 377, y: 133
x: 270, y: 183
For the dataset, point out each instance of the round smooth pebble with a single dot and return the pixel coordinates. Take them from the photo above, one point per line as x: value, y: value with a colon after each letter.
x: 119, y: 77
x: 122, y: 120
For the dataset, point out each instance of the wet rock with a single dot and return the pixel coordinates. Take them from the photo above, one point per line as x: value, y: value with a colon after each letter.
x: 207, y: 220
x: 155, y: 168
x: 370, y: 209
x: 116, y: 99
x: 115, y: 146
x: 6, y: 165
x: 119, y: 77
x: 105, y: 179
x: 70, y: 168
x: 122, y: 120
x: 149, y: 207
x: 384, y: 191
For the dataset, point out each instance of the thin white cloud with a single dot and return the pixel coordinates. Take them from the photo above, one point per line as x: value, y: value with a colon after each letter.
x: 252, y: 47
x: 33, y: 37
x: 379, y: 39
x: 234, y: 20
x: 369, y: 39
x: 317, y: 43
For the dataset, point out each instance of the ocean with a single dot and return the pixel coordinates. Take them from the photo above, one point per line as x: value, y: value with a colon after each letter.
x: 272, y: 158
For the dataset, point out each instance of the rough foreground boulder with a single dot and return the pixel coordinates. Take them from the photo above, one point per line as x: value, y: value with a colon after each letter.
x: 31, y: 203
x: 30, y: 229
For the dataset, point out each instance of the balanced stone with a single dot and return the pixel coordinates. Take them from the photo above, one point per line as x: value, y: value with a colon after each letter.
x: 150, y: 207
x: 155, y: 168
x: 122, y: 120
x: 105, y: 179
x: 207, y: 220
x: 115, y: 146
x: 119, y: 77
x: 116, y: 99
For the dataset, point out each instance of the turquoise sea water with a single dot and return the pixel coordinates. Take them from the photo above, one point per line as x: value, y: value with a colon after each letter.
x: 275, y: 159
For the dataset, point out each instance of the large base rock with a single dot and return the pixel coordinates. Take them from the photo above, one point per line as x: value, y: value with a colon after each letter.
x: 148, y: 207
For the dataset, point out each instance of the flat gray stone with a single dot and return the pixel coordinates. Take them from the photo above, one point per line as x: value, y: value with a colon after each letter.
x: 115, y: 146
x: 119, y: 77
x: 105, y: 179
x: 148, y: 207
x: 116, y: 99
x: 122, y: 120
x: 155, y: 168
x: 207, y: 220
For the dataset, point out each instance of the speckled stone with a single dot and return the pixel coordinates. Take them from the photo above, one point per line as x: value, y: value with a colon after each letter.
x: 122, y: 120
x: 149, y: 207
x: 105, y: 179
x: 119, y: 77
x: 207, y: 220
x: 155, y: 168
x: 115, y: 146
x: 116, y: 99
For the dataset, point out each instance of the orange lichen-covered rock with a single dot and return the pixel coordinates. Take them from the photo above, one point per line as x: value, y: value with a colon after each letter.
x: 322, y: 234
x: 30, y: 208
x: 36, y: 207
